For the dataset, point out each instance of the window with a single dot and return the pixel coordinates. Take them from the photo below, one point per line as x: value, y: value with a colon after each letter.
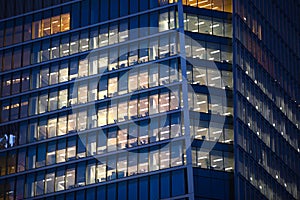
x: 61, y: 151
x: 112, y: 113
x: 81, y: 146
x: 143, y: 132
x: 103, y: 37
x: 63, y: 98
x: 122, y: 137
x: 92, y: 144
x: 153, y: 159
x: 200, y: 130
x: 39, y: 183
x: 112, y: 86
x: 101, y: 170
x: 29, y: 185
x: 165, y: 157
x: 217, y: 27
x: 153, y: 75
x: 214, y: 78
x: 215, y: 105
x: 21, y: 160
x: 49, y: 181
x: 102, y: 115
x: 50, y: 25
x: 82, y: 92
x: 192, y: 23
x: 164, y: 101
x: 143, y: 78
x: 143, y: 105
x: 132, y: 164
x: 143, y: 161
x: 41, y: 155
x: 51, y: 157
x: 111, y: 167
x: 70, y: 176
x: 163, y: 21
x: 84, y: 41
x: 201, y: 103
x: 60, y: 179
x: 132, y: 108
x: 154, y: 130
x: 11, y: 162
x: 3, y: 163
x: 176, y: 154
x: 91, y: 172
x: 205, y: 25
x: 71, y: 148
x: 111, y: 139
x: 122, y: 110
x: 74, y: 44
x: 164, y: 50
x: 213, y: 52
x: 216, y: 160
x: 122, y: 165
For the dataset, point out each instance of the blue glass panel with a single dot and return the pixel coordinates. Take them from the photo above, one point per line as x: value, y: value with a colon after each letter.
x: 165, y: 185
x: 153, y: 4
x: 154, y: 187
x: 90, y: 194
x: 178, y: 183
x: 132, y: 190
x: 29, y: 186
x: 101, y: 192
x: 80, y: 195
x: 114, y: 9
x: 123, y: 7
x: 84, y: 12
x: 143, y: 188
x: 133, y: 27
x: 144, y: 4
x: 103, y: 10
x: 122, y: 191
x: 134, y: 6
x: 111, y: 191
x: 75, y: 15
x: 94, y: 11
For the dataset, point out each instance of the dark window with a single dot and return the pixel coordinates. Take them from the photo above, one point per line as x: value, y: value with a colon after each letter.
x: 165, y: 185
x: 111, y: 191
x: 94, y: 11
x: 178, y: 183
x: 9, y: 33
x: 132, y: 190
x: 143, y: 188
x: 85, y: 12
x: 114, y: 9
x: 18, y: 32
x: 75, y: 15
x: 154, y: 187
x: 41, y: 155
x: 103, y: 10
x: 101, y: 192
x: 134, y: 6
x: 122, y: 191
x: 124, y: 6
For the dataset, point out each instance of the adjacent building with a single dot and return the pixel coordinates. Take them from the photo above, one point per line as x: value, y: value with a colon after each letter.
x: 149, y: 99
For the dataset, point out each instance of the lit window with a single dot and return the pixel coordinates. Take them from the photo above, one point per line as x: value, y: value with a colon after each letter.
x: 122, y: 165
x: 51, y: 25
x: 122, y: 137
x: 101, y: 170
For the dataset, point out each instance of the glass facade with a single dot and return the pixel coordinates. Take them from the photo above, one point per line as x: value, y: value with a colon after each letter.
x: 154, y: 99
x: 267, y: 97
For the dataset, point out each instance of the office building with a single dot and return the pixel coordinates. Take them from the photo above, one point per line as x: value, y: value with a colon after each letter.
x: 149, y: 99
